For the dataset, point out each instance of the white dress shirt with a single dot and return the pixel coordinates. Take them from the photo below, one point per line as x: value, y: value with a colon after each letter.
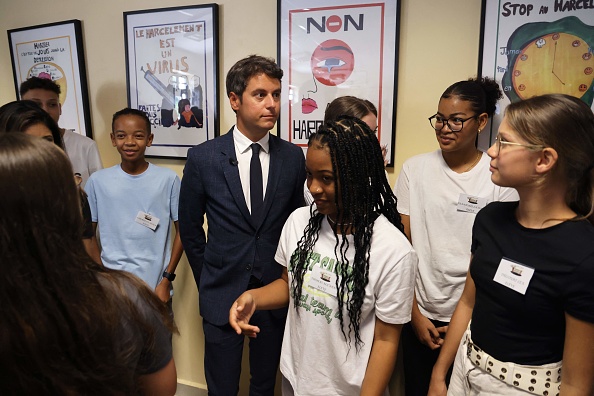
x: 243, y: 151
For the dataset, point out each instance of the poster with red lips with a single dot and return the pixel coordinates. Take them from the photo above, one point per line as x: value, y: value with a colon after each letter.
x: 329, y: 48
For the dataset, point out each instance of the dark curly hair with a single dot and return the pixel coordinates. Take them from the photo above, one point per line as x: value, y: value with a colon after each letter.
x: 482, y: 92
x: 364, y: 193
x: 134, y: 112
x: 39, y: 83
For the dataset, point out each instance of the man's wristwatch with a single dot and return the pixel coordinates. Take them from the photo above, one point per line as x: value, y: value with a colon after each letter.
x: 169, y: 276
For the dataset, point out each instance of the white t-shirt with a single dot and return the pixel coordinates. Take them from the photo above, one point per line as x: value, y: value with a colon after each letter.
x: 429, y: 192
x: 315, y: 357
x: 83, y: 154
x: 115, y: 198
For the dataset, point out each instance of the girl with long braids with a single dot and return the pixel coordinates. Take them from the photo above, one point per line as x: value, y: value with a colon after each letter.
x: 349, y: 271
x: 354, y: 107
x: 529, y: 287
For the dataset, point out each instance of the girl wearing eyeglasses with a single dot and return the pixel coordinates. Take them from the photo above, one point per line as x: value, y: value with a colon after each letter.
x: 529, y: 290
x: 439, y: 194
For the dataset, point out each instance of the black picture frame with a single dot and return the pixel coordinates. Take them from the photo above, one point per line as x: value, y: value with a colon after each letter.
x: 172, y: 74
x: 535, y: 48
x: 370, y: 32
x: 55, y: 51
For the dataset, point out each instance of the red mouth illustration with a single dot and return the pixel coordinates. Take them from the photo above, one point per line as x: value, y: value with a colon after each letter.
x: 308, y: 105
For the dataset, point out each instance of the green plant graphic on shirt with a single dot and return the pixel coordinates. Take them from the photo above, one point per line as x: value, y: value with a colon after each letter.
x: 310, y: 297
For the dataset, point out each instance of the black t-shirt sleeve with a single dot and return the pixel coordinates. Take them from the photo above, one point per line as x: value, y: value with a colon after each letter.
x: 143, y: 354
x: 148, y: 356
x: 579, y: 294
x: 154, y: 357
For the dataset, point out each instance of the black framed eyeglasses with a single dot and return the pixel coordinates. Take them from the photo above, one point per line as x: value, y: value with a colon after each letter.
x: 455, y: 123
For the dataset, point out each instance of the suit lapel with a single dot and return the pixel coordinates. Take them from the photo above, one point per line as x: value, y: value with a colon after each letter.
x: 231, y: 171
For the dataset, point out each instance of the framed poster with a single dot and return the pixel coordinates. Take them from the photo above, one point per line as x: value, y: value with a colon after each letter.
x: 171, y: 69
x: 332, y: 48
x: 55, y: 51
x: 538, y: 47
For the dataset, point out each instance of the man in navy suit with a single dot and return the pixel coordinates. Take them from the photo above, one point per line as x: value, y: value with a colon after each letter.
x: 244, y: 224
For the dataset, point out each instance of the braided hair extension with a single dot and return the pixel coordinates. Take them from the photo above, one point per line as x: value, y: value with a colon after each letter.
x: 364, y: 193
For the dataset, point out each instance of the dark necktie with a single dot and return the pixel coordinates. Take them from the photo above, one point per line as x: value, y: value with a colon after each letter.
x: 256, y: 187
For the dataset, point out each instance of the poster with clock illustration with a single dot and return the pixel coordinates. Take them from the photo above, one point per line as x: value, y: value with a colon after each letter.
x: 537, y: 47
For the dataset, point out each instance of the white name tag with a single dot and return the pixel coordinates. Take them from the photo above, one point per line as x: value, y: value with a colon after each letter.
x: 147, y: 220
x: 513, y: 275
x: 323, y: 280
x: 470, y: 204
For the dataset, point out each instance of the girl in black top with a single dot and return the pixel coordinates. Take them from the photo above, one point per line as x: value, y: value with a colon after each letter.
x: 530, y: 287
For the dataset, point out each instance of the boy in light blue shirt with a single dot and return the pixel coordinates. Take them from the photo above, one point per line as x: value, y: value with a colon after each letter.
x: 134, y: 204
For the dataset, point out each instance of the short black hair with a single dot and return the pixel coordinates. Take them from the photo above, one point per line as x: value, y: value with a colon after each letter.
x: 135, y: 112
x: 182, y: 103
x: 244, y: 69
x: 39, y: 83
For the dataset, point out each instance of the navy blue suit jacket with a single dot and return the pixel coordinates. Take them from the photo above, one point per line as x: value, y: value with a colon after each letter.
x: 222, y: 264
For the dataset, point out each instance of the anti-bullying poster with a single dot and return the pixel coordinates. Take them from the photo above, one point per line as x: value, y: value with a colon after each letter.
x: 329, y: 49
x: 538, y: 47
x: 55, y: 51
x: 171, y: 59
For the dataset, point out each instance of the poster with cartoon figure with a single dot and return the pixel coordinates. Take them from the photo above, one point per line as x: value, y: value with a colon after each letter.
x: 333, y: 48
x: 538, y: 47
x: 171, y: 58
x: 55, y: 51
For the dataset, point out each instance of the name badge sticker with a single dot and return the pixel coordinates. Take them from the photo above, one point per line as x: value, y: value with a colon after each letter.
x: 470, y: 203
x: 147, y: 220
x: 323, y: 280
x: 513, y: 275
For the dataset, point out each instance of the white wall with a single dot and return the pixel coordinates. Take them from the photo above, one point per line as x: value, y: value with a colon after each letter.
x: 438, y: 46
